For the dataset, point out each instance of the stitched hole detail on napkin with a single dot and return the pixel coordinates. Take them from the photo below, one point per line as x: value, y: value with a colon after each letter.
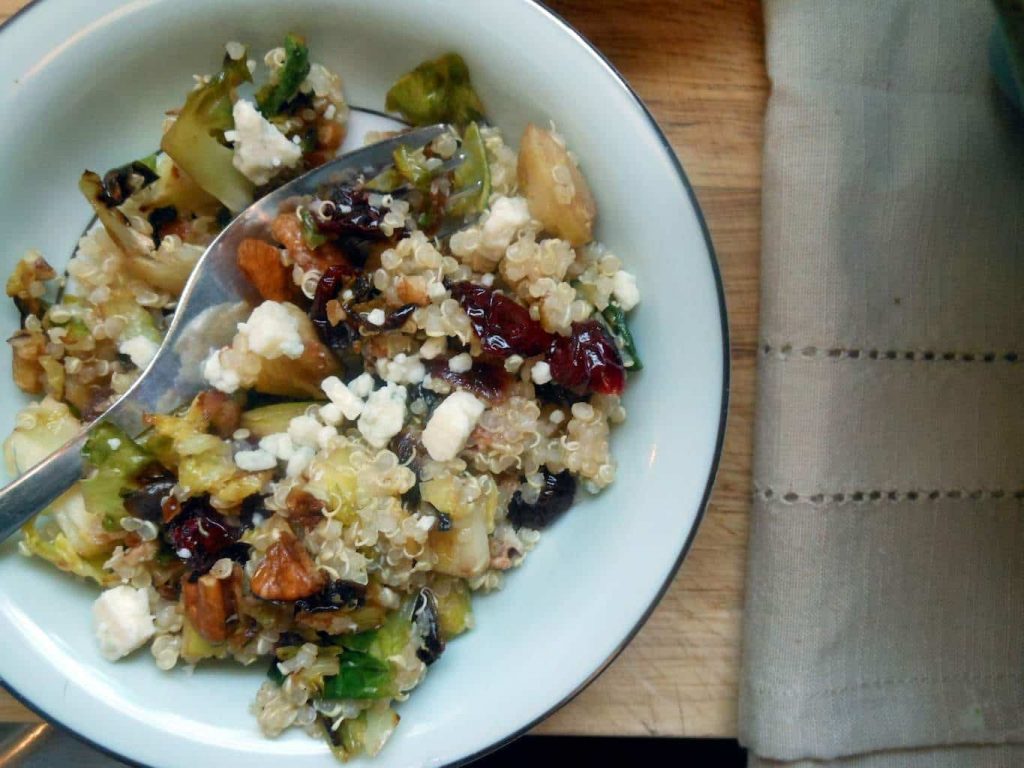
x: 873, y: 496
x: 811, y: 352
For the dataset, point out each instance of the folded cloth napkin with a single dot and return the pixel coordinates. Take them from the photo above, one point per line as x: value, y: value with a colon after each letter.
x: 884, y: 621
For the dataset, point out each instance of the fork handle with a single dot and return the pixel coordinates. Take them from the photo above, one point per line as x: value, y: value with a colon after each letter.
x: 33, y: 491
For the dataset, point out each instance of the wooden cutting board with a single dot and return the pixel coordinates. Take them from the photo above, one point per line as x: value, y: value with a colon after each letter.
x: 699, y: 66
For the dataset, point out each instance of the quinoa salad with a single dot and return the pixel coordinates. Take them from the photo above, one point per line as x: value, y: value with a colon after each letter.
x: 428, y: 381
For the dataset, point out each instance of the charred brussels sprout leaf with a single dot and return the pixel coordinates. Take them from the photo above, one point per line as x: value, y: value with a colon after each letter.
x: 272, y: 97
x: 617, y: 324
x: 435, y: 92
x: 555, y: 498
x: 195, y: 141
x: 121, y: 183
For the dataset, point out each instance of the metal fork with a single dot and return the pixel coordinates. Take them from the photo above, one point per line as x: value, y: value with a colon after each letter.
x: 215, y: 298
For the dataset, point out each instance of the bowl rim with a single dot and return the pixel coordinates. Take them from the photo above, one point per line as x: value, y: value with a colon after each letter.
x: 602, y: 61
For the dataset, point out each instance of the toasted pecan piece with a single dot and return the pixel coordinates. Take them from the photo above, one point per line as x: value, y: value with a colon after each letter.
x: 287, y: 572
x: 211, y: 603
x: 303, y: 508
x: 261, y: 264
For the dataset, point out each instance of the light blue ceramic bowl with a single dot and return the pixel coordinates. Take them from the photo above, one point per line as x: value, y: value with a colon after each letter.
x: 86, y: 84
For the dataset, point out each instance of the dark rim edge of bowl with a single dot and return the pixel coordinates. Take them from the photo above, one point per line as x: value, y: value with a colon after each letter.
x: 715, y: 459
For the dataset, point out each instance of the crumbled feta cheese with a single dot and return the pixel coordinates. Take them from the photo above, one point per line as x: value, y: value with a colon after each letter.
x: 361, y: 385
x: 403, y: 369
x: 540, y: 373
x: 625, y: 291
x: 235, y: 50
x: 507, y: 216
x: 255, y: 461
x: 272, y: 331
x: 383, y: 416
x: 326, y: 435
x: 343, y: 398
x: 331, y: 414
x: 122, y: 620
x: 450, y: 425
x: 460, y: 363
x: 376, y: 316
x: 279, y: 444
x: 433, y: 347
x: 304, y: 430
x: 219, y: 376
x: 299, y: 461
x: 114, y: 443
x: 261, y: 150
x: 139, y: 349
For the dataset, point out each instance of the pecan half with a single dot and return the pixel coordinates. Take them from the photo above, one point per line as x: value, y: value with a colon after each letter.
x: 211, y: 603
x: 287, y: 572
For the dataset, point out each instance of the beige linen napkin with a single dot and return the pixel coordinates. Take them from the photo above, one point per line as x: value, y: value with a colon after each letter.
x: 885, y: 601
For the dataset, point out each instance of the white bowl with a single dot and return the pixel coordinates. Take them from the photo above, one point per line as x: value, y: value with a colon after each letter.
x: 85, y: 85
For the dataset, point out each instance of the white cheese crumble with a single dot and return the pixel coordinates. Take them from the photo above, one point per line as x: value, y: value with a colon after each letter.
x: 348, y: 403
x: 403, y: 369
x: 383, y: 415
x: 220, y: 376
x: 460, y: 363
x: 451, y: 424
x: 540, y: 373
x: 272, y: 331
x: 361, y: 385
x: 255, y: 461
x: 114, y: 443
x: 376, y: 316
x: 304, y: 430
x: 261, y: 151
x: 331, y: 414
x: 507, y: 216
x: 625, y: 291
x: 139, y: 349
x: 122, y: 621
x: 235, y: 50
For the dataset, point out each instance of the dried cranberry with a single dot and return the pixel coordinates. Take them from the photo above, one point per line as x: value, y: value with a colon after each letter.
x: 587, y: 360
x: 489, y: 381
x: 353, y: 214
x: 337, y: 337
x: 199, y: 534
x: 338, y: 595
x: 504, y: 326
x: 555, y: 497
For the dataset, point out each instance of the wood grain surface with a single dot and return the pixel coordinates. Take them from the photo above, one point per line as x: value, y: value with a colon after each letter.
x: 699, y: 66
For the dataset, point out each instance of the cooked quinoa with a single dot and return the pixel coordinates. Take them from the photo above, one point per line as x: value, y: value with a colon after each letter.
x: 391, y: 426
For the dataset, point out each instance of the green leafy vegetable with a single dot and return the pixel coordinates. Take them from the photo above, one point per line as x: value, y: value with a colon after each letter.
x: 435, y: 92
x: 361, y: 676
x: 385, y: 641
x: 472, y: 179
x: 117, y: 460
x: 195, y: 141
x: 367, y: 733
x: 617, y: 324
x: 57, y: 549
x: 311, y: 234
x: 272, y: 97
